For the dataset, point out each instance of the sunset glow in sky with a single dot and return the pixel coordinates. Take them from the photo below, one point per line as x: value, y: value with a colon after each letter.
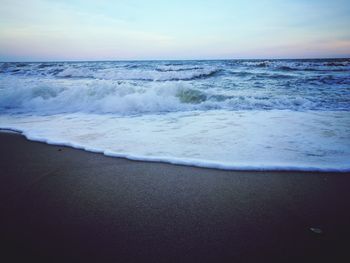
x: 40, y: 30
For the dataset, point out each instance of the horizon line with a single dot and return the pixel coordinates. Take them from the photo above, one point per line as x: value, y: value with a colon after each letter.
x: 145, y: 60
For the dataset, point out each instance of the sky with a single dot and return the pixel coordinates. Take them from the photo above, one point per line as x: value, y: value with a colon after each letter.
x: 52, y: 30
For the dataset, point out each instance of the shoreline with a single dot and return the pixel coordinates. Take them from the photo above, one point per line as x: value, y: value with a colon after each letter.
x: 63, y: 204
x: 197, y: 163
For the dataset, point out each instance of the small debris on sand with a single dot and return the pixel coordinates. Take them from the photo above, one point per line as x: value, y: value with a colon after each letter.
x: 316, y: 230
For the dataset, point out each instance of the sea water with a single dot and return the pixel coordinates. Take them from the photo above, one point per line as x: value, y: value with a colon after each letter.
x: 227, y: 114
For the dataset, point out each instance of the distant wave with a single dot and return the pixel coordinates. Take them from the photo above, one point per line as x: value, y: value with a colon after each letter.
x: 177, y: 68
x: 148, y: 75
x: 300, y: 65
x: 153, y: 71
x: 47, y: 65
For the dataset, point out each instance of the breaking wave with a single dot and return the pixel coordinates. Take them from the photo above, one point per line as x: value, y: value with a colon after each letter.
x: 123, y: 98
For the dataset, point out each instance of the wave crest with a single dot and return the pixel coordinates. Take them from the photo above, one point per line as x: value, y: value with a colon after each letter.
x: 128, y: 98
x: 149, y: 75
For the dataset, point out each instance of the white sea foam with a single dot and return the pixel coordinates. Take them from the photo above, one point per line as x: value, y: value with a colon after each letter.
x: 274, y: 114
x: 282, y: 140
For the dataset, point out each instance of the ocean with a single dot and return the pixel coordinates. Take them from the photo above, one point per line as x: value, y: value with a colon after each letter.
x: 224, y: 114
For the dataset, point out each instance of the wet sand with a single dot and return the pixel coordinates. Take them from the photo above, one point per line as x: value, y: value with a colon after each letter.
x: 67, y: 205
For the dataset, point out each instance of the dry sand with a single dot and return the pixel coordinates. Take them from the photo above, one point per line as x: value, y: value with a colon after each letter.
x: 66, y: 205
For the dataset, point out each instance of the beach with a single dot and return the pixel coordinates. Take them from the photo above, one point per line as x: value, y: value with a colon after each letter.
x: 174, y: 131
x: 60, y: 204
